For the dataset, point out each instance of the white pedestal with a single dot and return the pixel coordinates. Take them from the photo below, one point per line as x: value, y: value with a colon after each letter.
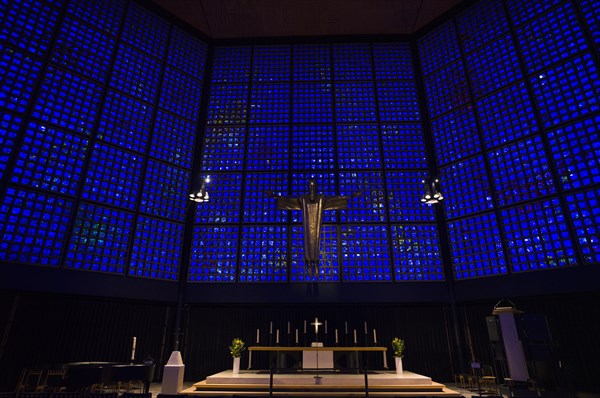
x: 172, y: 381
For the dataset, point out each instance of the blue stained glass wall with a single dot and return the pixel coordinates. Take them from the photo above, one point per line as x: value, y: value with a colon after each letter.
x: 99, y: 111
x: 525, y: 114
x: 346, y: 115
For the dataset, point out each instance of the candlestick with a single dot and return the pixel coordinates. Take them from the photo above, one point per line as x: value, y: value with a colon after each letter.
x: 257, y: 336
x: 289, y: 330
x: 305, y: 326
x: 374, y: 336
x: 325, y: 327
x: 346, y: 326
x: 336, y: 336
x: 366, y: 330
x: 271, y: 327
x: 355, y: 336
x: 133, y: 349
x: 277, y: 337
x: 296, y: 336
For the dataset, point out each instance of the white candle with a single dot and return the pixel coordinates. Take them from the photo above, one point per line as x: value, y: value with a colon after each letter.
x: 296, y: 336
x: 354, y: 336
x: 271, y: 328
x: 277, y: 337
x: 374, y: 336
x: 133, y: 349
x: 336, y: 336
x: 257, y: 336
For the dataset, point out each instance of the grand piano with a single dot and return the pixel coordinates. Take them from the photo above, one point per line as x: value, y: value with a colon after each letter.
x: 83, y: 376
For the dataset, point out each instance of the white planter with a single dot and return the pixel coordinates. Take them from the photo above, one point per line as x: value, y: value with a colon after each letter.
x: 236, y: 366
x: 398, y: 361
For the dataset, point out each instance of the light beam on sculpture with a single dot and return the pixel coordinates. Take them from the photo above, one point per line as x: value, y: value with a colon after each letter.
x: 432, y: 194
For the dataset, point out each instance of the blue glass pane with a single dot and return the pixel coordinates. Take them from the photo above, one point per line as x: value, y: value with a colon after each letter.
x: 19, y: 75
x: 355, y: 102
x: 223, y: 148
x: 312, y: 103
x: 521, y: 172
x: 173, y: 140
x: 264, y: 253
x: 524, y: 10
x: 187, y: 53
x: 227, y: 105
x: 466, y: 188
x: 393, y: 61
x: 114, y: 177
x: 214, y: 254
x: 481, y: 23
x: 495, y: 65
x: 555, y: 36
x: 231, y: 64
x: 365, y: 253
x: 268, y: 148
x: 50, y: 159
x: 145, y: 31
x: 591, y: 14
x: 312, y: 62
x: 404, y: 190
x: 271, y: 63
x: 446, y: 89
x: 455, y: 135
x: 352, y: 62
x: 358, y: 147
x: 537, y: 236
x: 156, y: 249
x: 576, y: 152
x: 28, y: 26
x: 475, y: 247
x: 136, y: 74
x: 180, y: 94
x: 226, y: 197
x: 68, y: 101
x: 438, y: 48
x: 416, y: 251
x: 165, y: 191
x: 9, y: 131
x: 270, y: 103
x: 567, y: 91
x: 104, y: 15
x: 403, y: 146
x: 100, y: 240
x: 328, y: 269
x: 506, y: 115
x: 398, y: 102
x: 259, y: 206
x: 370, y: 205
x: 33, y: 226
x: 83, y: 49
x: 584, y: 212
x: 125, y: 122
x: 313, y: 147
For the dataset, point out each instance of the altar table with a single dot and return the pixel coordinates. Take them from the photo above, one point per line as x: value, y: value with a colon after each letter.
x: 309, y: 352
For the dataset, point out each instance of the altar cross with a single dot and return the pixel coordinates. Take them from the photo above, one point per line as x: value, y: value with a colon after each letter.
x: 317, y: 324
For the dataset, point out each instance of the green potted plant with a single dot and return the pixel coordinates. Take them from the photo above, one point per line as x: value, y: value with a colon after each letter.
x: 398, y: 350
x: 235, y: 349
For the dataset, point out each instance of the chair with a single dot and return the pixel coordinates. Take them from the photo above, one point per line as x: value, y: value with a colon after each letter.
x: 487, y: 380
x: 54, y: 380
x: 30, y: 381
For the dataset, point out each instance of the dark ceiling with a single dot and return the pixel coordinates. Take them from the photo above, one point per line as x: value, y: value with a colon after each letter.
x: 225, y: 19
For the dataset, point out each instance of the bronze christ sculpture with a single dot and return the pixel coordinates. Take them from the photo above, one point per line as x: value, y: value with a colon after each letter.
x: 312, y: 206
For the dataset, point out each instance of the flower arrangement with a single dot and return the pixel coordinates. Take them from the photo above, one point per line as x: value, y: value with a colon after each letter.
x: 236, y: 347
x: 398, y: 347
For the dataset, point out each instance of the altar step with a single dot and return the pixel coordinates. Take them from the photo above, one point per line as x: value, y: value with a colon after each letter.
x: 256, y: 384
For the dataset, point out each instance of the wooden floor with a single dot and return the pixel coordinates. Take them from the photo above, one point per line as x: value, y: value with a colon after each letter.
x: 308, y: 384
